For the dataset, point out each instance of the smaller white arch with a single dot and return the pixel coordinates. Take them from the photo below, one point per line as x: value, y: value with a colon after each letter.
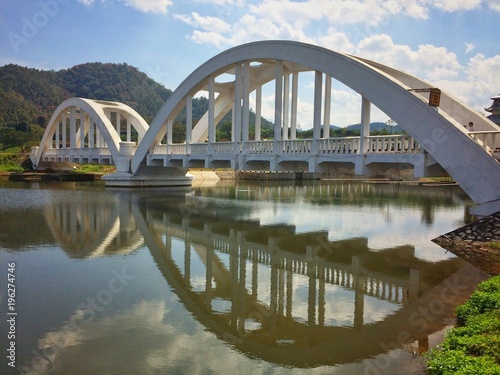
x: 96, y: 110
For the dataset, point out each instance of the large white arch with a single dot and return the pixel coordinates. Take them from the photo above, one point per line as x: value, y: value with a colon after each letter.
x: 96, y: 110
x: 438, y: 129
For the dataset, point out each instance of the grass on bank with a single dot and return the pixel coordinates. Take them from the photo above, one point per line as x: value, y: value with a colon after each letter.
x: 95, y: 168
x: 10, y: 162
x: 473, y: 347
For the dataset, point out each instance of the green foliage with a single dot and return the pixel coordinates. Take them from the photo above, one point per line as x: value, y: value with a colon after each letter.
x: 95, y: 168
x: 485, y: 298
x: 474, y: 346
x: 446, y: 362
x: 10, y: 162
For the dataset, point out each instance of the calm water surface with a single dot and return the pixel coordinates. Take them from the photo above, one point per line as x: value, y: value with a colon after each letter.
x: 319, y: 278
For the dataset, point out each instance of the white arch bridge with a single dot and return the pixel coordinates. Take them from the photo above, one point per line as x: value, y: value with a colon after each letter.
x: 91, y: 131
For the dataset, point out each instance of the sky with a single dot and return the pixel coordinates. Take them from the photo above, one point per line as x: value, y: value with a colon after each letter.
x: 454, y: 44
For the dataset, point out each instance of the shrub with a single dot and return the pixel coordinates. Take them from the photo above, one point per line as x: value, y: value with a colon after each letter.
x: 473, y: 347
x: 445, y: 362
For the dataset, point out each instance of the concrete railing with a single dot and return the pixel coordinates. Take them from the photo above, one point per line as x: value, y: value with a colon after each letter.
x: 489, y: 141
x: 393, y: 144
x: 326, y: 146
x: 345, y: 145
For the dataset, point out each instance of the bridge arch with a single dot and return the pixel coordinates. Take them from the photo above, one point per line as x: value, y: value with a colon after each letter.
x: 439, y: 130
x: 86, y: 125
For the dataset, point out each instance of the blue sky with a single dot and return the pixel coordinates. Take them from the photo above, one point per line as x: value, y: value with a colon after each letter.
x: 452, y: 43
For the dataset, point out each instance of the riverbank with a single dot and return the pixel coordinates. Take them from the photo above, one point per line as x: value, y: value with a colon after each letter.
x: 478, y: 243
x: 472, y: 346
x: 50, y: 176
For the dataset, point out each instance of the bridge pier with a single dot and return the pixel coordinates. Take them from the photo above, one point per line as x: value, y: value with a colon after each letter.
x: 146, y: 176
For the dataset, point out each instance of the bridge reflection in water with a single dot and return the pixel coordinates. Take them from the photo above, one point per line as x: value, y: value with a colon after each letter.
x: 296, y: 299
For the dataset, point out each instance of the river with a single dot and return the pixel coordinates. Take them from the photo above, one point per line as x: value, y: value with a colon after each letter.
x: 234, y: 278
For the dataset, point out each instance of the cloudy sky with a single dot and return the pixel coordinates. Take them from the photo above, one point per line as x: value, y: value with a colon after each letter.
x: 451, y: 43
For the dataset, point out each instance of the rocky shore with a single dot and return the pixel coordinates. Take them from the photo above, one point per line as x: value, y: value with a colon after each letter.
x: 478, y: 243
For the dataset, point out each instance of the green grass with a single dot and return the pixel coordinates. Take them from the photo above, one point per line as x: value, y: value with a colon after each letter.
x: 474, y: 346
x: 95, y: 168
x: 10, y: 162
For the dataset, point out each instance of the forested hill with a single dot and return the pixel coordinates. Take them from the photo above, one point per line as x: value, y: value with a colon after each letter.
x: 31, y: 95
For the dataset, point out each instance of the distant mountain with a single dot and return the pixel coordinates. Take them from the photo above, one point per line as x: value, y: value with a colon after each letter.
x: 378, y: 127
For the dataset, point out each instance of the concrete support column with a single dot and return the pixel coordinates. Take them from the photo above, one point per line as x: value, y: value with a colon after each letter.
x: 83, y: 128
x: 365, y: 126
x: 237, y: 102
x: 91, y: 133
x: 58, y: 135
x: 258, y: 112
x: 278, y: 101
x: 72, y: 127
x: 129, y: 131
x: 295, y: 89
x: 420, y: 165
x: 64, y: 127
x: 125, y: 155
x: 318, y: 83
x: 246, y: 103
x: 98, y: 137
x: 211, y: 109
x: 170, y: 124
x: 286, y: 101
x: 118, y: 125
x: 328, y: 104
x: 189, y: 122
x: 237, y: 109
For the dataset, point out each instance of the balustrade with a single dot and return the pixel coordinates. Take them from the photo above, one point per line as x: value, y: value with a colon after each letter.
x: 489, y: 140
x: 392, y: 144
x: 327, y: 146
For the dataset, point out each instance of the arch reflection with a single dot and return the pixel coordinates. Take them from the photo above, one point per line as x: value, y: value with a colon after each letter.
x: 296, y: 299
x: 88, y: 228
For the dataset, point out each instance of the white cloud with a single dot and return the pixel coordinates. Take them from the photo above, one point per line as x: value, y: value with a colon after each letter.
x: 428, y: 61
x: 149, y: 6
x: 210, y: 24
x: 456, y: 5
x: 494, y: 4
x: 469, y: 47
x: 221, y: 2
x: 146, y: 6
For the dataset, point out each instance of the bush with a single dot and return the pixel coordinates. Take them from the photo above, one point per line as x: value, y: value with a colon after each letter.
x: 445, y: 362
x: 485, y: 298
x: 474, y: 346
